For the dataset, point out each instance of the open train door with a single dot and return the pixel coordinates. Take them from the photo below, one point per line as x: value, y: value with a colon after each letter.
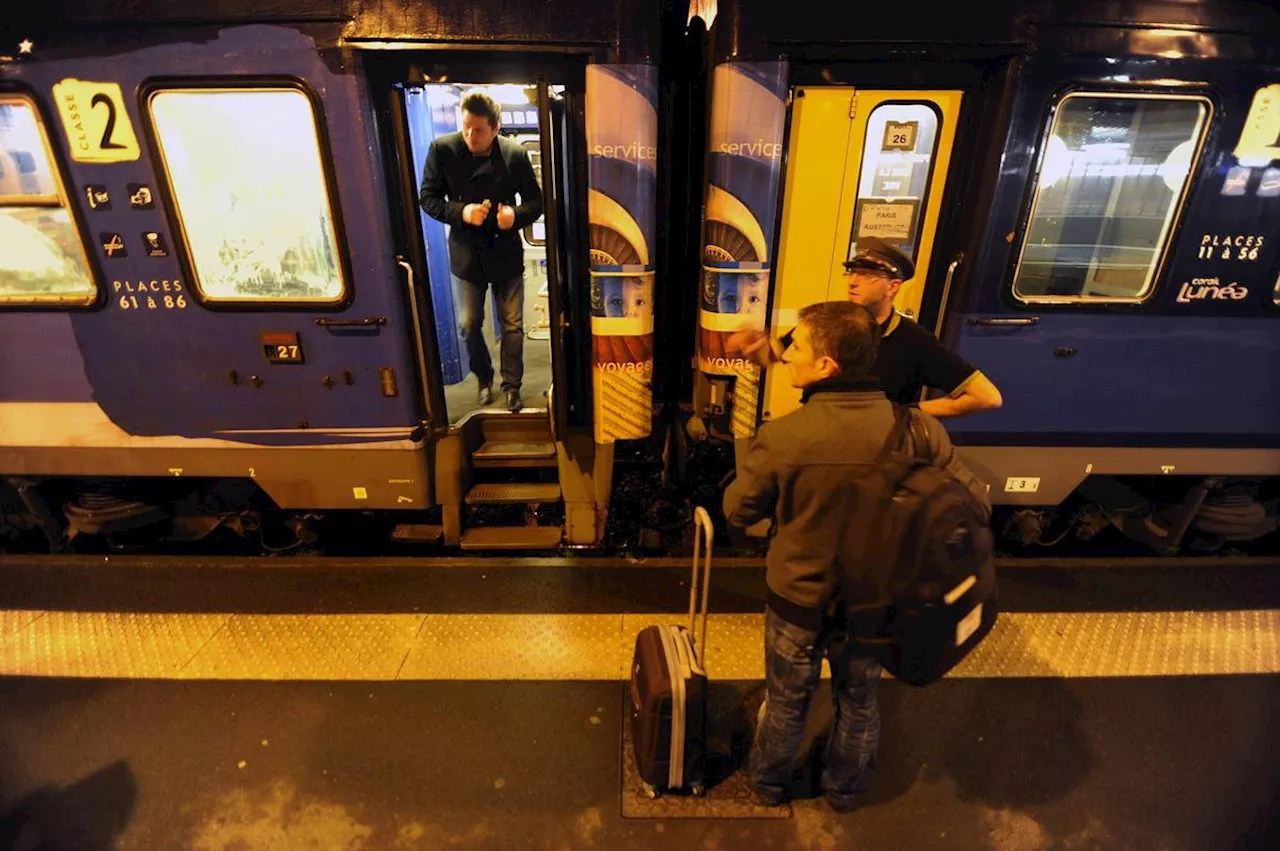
x: 414, y: 264
x: 584, y: 469
x: 483, y: 453
x: 564, y: 182
x: 585, y: 466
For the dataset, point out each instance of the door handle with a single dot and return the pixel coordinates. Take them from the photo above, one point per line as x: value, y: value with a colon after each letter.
x: 325, y: 322
x: 419, y: 344
x: 551, y: 410
x: 946, y: 293
x: 1005, y: 320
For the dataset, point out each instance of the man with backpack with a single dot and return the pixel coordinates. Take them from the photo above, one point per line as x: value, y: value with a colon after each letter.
x: 825, y: 473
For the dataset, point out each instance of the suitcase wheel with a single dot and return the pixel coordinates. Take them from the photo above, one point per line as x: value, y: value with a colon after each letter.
x: 698, y: 789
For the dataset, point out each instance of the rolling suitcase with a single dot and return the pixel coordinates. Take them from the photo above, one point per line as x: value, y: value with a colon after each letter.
x: 668, y: 689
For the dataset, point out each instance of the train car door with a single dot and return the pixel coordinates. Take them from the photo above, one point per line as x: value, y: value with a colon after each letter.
x: 860, y: 163
x: 564, y: 177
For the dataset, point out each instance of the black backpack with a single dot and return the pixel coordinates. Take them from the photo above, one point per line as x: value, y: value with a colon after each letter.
x: 916, y: 569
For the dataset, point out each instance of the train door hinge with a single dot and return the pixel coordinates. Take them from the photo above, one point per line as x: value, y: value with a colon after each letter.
x: 853, y: 105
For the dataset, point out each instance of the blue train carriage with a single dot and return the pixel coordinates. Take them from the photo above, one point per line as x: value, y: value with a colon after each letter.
x: 1089, y: 192
x: 219, y: 297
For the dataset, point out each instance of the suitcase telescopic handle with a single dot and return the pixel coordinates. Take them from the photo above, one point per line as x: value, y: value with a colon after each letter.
x: 703, y: 536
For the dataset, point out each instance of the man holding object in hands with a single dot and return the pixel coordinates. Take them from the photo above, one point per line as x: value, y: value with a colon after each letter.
x: 470, y: 182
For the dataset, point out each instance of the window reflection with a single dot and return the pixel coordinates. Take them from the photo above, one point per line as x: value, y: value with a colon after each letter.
x: 245, y: 170
x: 43, y: 259
x: 1112, y: 174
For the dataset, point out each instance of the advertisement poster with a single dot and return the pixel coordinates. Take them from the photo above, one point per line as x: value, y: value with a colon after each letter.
x: 622, y: 149
x: 745, y: 141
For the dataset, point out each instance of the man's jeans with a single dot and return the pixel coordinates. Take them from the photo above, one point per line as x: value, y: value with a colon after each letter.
x: 509, y: 296
x: 793, y: 665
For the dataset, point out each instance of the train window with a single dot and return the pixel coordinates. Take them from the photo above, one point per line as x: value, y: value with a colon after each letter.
x: 893, y: 183
x: 43, y: 261
x: 1112, y: 178
x: 245, y: 171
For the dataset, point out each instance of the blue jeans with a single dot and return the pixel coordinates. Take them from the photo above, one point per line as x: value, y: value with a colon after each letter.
x: 509, y: 296
x: 793, y: 665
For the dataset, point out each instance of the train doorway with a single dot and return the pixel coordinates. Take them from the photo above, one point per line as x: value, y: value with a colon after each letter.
x: 539, y: 105
x: 433, y: 112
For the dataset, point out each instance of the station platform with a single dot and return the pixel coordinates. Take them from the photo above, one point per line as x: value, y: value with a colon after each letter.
x: 361, y: 704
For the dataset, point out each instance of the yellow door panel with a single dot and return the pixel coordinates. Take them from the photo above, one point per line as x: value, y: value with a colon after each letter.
x: 859, y: 163
x: 809, y: 244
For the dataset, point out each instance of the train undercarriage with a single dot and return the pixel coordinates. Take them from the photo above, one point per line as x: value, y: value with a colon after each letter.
x: 650, y: 508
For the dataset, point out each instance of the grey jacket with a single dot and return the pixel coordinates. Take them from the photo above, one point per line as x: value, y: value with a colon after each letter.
x: 797, y: 470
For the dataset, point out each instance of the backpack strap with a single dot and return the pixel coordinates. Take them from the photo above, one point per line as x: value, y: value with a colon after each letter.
x: 919, y: 436
x: 897, y: 435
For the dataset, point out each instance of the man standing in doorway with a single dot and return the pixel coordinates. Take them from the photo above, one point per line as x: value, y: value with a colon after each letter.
x: 470, y: 183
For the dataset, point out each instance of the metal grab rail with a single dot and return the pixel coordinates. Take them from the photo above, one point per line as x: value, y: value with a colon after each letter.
x: 551, y: 410
x: 946, y: 294
x: 419, y: 345
x: 325, y: 322
x: 1023, y: 320
x: 703, y: 535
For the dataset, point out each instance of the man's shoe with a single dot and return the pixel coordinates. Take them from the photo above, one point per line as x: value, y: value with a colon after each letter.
x: 514, y: 402
x: 485, y: 394
x: 842, y: 805
x: 759, y: 799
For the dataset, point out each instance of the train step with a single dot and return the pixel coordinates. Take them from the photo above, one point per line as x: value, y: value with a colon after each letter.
x: 525, y: 453
x: 417, y: 533
x: 512, y: 538
x: 506, y: 427
x: 512, y: 492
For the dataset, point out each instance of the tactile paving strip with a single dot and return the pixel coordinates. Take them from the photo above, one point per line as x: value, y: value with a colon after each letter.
x: 15, y: 620
x: 1128, y: 644
x: 517, y: 647
x: 588, y: 646
x: 107, y: 644
x: 307, y: 647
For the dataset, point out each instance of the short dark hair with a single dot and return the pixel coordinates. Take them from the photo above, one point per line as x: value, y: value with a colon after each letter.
x: 480, y: 104
x: 845, y: 332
